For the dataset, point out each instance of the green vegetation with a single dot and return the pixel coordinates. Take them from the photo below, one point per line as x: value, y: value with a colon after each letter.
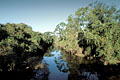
x: 18, y: 44
x: 93, y: 32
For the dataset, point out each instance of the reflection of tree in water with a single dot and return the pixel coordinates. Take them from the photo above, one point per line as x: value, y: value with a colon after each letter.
x: 35, y: 70
x: 82, y: 69
x: 61, y: 65
x: 41, y: 71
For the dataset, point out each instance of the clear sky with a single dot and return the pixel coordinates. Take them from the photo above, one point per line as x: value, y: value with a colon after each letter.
x: 42, y: 15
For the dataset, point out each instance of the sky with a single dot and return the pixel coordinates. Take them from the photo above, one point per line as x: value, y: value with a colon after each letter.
x: 42, y: 15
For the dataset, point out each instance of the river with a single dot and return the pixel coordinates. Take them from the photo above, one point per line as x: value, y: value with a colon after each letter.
x: 61, y: 66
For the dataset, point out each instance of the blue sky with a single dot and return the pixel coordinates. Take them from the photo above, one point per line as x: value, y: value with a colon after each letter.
x: 42, y: 15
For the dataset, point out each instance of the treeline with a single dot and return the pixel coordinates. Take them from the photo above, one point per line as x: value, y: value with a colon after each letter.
x: 18, y: 44
x: 93, y: 32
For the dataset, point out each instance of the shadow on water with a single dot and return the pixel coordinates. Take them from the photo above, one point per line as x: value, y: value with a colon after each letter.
x: 35, y: 71
x: 82, y: 69
x: 58, y: 65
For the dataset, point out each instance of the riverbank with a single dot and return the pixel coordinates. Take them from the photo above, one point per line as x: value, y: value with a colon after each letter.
x: 79, y: 53
x: 19, y: 45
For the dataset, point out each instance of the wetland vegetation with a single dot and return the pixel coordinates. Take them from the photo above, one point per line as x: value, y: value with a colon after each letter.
x: 87, y: 47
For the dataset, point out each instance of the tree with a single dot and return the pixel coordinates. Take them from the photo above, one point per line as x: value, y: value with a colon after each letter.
x: 18, y: 43
x: 95, y: 28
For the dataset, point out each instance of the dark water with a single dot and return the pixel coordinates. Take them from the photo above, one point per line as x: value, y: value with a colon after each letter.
x: 61, y: 66
x: 58, y: 65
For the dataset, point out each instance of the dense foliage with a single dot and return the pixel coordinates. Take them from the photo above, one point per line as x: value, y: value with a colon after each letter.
x: 18, y: 43
x: 93, y: 31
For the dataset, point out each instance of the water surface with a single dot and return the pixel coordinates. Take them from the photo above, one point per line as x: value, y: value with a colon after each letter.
x: 55, y: 73
x: 61, y: 66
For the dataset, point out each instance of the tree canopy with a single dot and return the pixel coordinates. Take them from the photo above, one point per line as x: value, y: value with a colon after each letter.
x: 93, y: 31
x: 18, y: 43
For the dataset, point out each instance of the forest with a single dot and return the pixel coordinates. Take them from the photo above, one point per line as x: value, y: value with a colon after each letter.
x: 93, y: 32
x: 19, y: 45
